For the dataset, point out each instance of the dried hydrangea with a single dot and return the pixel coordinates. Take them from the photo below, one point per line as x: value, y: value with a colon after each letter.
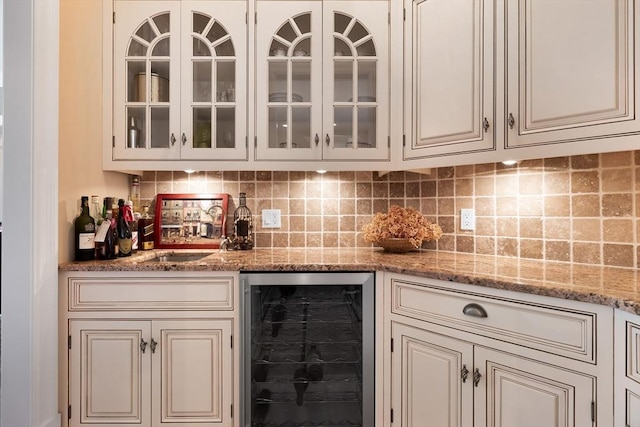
x: 403, y: 223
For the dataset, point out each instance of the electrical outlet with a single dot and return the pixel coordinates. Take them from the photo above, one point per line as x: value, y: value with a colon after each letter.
x: 271, y: 218
x: 467, y: 219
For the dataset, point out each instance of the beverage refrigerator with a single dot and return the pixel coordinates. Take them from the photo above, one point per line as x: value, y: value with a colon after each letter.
x: 308, y: 353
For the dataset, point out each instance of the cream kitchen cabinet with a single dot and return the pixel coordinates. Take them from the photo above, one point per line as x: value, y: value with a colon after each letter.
x: 496, y: 80
x: 468, y: 356
x: 179, y: 82
x: 322, y: 80
x: 148, y: 349
x: 627, y: 369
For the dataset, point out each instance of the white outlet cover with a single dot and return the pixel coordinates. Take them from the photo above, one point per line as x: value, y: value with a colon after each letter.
x: 467, y: 219
x: 271, y: 218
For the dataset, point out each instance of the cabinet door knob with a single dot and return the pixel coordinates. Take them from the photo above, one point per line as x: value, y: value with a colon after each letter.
x: 317, y: 139
x: 143, y: 345
x: 327, y: 140
x: 485, y: 125
x: 184, y: 138
x: 511, y: 121
x: 464, y: 373
x: 172, y: 139
x: 153, y: 345
x: 476, y: 377
x: 474, y: 310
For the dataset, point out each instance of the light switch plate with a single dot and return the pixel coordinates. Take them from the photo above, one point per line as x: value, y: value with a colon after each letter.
x: 271, y: 218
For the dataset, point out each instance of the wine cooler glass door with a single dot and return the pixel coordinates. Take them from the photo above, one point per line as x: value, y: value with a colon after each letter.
x: 308, y: 349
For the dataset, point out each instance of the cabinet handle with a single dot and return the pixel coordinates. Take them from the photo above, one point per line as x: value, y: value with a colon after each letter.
x: 143, y: 345
x: 327, y: 140
x: 474, y: 310
x: 511, y: 121
x: 476, y: 377
x: 485, y: 125
x: 317, y: 139
x: 153, y: 345
x: 172, y: 139
x: 184, y: 138
x: 464, y: 373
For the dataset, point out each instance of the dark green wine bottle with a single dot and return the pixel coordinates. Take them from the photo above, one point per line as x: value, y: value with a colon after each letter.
x: 85, y: 232
x: 124, y: 231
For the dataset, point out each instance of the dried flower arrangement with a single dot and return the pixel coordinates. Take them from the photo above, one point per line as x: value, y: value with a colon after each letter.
x: 401, y: 223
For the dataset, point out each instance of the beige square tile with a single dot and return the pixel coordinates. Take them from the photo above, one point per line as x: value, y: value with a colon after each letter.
x: 557, y: 250
x: 531, y: 228
x: 586, y: 253
x: 617, y: 230
x: 617, y: 180
x: 587, y: 229
x: 617, y: 205
x: 618, y: 255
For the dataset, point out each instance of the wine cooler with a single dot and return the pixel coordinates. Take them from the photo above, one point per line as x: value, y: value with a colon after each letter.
x: 308, y: 349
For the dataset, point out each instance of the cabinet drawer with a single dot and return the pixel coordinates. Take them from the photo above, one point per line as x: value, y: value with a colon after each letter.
x: 171, y: 293
x: 557, y: 330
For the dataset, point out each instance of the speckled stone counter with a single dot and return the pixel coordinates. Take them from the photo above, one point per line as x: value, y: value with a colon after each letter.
x: 615, y: 287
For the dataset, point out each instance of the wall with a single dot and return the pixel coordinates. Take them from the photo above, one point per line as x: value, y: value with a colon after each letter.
x: 80, y: 132
x: 581, y: 209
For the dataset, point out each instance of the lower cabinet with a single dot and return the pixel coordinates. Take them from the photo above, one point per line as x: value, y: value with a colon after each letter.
x: 440, y: 381
x: 149, y: 372
x: 148, y: 349
x: 627, y: 369
x: 463, y: 356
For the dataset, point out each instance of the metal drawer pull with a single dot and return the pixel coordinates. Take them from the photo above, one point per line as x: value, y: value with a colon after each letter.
x: 464, y: 373
x: 474, y: 310
x: 476, y: 377
x: 143, y: 345
x: 327, y: 139
x: 153, y: 345
x: 485, y: 125
x: 172, y: 139
x: 317, y: 139
x: 184, y: 139
x: 511, y: 121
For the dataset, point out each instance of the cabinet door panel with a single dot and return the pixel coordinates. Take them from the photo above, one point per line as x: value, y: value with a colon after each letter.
x: 109, y: 374
x: 452, y: 73
x: 192, y: 365
x: 571, y: 81
x: 520, y: 392
x: 213, y: 87
x: 427, y: 387
x: 146, y: 76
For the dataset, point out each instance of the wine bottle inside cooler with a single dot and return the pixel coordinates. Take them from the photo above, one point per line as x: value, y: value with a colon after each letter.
x: 315, y: 367
x: 278, y: 315
x: 300, y: 384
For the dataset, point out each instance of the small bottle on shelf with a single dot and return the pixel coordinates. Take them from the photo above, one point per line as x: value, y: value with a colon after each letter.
x: 85, y: 232
x: 130, y: 217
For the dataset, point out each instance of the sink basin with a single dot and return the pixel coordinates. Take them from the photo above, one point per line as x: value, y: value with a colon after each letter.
x: 178, y: 257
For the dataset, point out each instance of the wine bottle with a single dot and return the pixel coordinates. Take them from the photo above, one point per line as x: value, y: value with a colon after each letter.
x: 300, y: 384
x: 278, y: 314
x: 124, y: 231
x: 263, y: 400
x: 262, y: 367
x: 133, y: 225
x: 315, y: 363
x: 145, y: 230
x: 85, y: 232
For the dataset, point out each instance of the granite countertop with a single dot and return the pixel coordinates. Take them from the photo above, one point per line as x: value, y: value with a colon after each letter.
x: 616, y: 287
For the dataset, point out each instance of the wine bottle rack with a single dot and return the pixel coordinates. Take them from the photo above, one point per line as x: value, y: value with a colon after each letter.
x: 287, y: 322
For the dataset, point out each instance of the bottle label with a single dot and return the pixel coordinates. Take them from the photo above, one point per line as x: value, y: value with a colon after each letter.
x: 124, y: 246
x: 134, y: 240
x: 147, y: 245
x: 101, y: 234
x: 86, y: 241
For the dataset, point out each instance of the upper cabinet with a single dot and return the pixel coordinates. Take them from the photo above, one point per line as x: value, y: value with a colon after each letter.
x: 493, y: 80
x: 322, y: 80
x: 179, y: 80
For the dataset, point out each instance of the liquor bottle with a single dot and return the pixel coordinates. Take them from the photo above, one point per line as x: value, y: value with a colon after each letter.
x: 145, y: 230
x: 315, y: 363
x: 135, y: 194
x: 133, y: 139
x: 133, y: 225
x: 85, y: 232
x: 105, y: 235
x: 124, y: 231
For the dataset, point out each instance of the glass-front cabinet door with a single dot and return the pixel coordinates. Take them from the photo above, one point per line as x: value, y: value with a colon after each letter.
x: 179, y: 73
x: 322, y: 80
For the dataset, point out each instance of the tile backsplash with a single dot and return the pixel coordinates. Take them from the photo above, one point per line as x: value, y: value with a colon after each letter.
x: 581, y: 209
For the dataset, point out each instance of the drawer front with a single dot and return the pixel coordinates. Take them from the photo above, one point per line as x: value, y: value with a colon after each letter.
x: 550, y: 329
x: 120, y: 294
x: 633, y: 351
